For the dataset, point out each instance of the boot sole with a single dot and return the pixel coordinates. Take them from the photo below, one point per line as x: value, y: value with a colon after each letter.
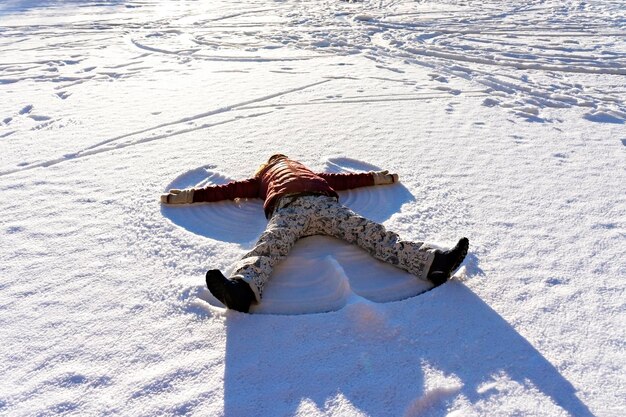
x: 464, y: 243
x: 216, y: 285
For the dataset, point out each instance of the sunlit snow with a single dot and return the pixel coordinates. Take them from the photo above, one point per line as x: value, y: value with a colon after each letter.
x: 505, y: 121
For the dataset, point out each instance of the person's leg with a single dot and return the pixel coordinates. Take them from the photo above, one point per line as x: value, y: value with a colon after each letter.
x: 339, y: 221
x: 252, y: 272
x: 421, y: 260
x: 285, y: 227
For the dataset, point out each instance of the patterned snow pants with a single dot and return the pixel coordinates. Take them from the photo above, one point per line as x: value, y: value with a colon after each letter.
x: 300, y: 216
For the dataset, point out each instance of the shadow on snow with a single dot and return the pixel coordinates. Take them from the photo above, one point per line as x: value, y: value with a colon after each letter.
x: 375, y: 356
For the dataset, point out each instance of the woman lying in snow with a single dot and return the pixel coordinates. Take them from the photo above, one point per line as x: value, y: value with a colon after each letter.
x: 300, y: 203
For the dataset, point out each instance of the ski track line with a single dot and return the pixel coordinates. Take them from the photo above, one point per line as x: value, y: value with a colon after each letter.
x: 181, y: 52
x: 210, y: 113
x: 371, y: 100
x: 92, y: 150
x: 250, y: 59
x: 163, y: 136
x: 84, y: 153
x: 548, y: 96
x: 230, y: 16
x: 517, y: 65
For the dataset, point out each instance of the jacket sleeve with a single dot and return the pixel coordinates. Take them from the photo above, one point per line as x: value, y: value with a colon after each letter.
x: 235, y: 189
x: 347, y: 181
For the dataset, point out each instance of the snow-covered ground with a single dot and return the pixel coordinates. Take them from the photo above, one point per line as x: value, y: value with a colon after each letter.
x: 504, y: 119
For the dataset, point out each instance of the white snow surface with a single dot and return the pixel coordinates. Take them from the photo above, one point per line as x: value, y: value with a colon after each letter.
x: 504, y: 119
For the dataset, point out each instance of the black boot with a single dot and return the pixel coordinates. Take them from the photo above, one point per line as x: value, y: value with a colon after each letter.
x: 446, y: 262
x: 233, y: 293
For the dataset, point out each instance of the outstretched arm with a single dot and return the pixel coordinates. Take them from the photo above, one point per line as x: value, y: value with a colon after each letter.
x: 235, y: 189
x: 347, y: 181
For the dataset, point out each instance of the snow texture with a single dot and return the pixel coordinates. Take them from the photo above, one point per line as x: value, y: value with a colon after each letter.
x: 504, y: 120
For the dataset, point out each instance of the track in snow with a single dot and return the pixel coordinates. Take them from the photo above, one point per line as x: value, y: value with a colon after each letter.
x: 547, y: 39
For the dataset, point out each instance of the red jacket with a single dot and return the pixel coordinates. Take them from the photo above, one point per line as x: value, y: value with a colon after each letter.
x: 280, y: 178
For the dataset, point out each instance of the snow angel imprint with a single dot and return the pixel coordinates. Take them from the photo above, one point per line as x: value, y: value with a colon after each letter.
x: 300, y: 203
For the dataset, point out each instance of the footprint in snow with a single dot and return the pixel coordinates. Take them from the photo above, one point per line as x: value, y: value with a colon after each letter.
x: 27, y: 109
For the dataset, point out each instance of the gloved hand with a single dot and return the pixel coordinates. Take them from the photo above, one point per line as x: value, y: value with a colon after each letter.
x: 178, y: 196
x: 384, y: 177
